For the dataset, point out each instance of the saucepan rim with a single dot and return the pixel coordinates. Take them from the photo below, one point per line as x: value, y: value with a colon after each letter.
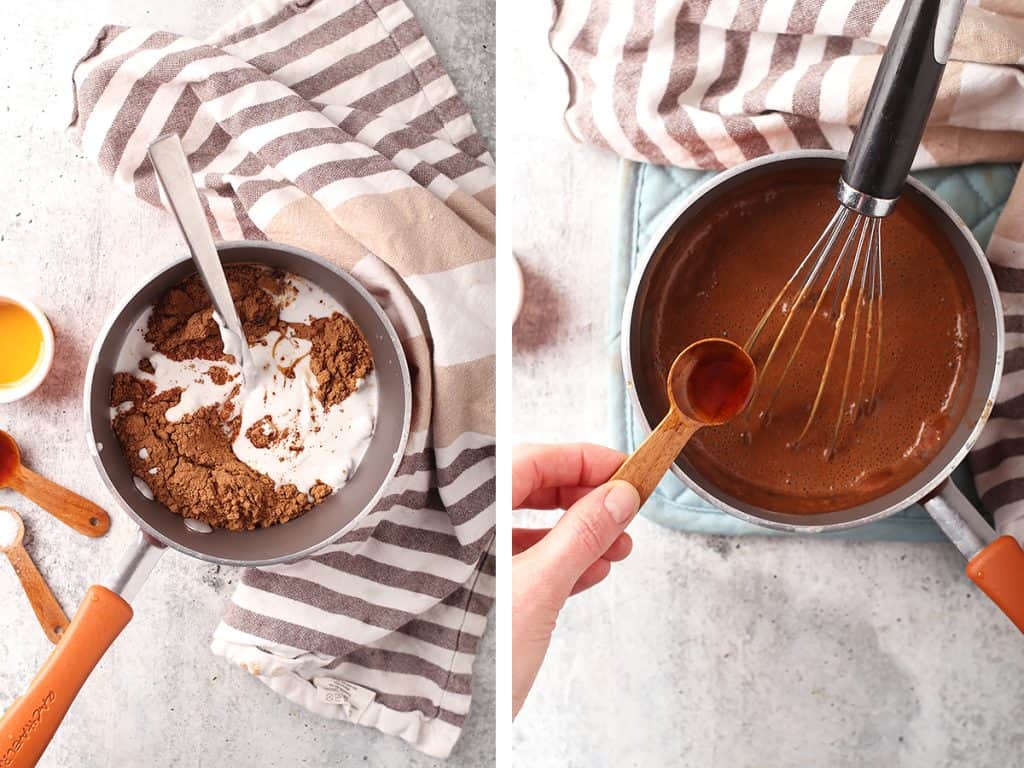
x: 927, y: 480
x: 392, y: 338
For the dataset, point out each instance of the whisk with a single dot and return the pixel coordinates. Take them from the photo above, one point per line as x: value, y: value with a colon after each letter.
x: 840, y: 280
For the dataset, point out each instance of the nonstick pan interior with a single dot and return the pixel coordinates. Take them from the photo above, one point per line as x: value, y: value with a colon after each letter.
x: 326, y: 521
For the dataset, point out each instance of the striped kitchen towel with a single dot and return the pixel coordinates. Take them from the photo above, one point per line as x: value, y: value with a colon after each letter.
x: 332, y: 126
x: 711, y: 83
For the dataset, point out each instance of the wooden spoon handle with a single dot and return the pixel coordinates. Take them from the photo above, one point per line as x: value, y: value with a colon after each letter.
x: 51, y: 616
x: 649, y: 463
x: 68, y: 507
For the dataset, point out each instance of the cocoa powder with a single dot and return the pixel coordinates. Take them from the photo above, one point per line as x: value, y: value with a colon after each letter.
x: 197, y: 475
x: 340, y: 356
x: 182, y: 325
x: 218, y: 375
x: 264, y: 433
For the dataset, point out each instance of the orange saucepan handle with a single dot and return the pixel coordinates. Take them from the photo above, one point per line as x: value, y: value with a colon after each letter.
x: 999, y: 571
x: 27, y: 727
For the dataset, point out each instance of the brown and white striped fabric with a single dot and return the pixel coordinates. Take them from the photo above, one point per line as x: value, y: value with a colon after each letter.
x: 332, y: 125
x: 712, y: 83
x: 998, y: 457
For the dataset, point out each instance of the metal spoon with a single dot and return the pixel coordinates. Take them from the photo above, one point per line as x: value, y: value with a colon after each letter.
x: 51, y: 616
x: 68, y: 507
x: 709, y: 383
x: 172, y: 169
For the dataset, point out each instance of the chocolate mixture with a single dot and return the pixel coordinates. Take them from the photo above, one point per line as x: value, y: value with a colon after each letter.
x: 726, y: 268
x: 189, y: 464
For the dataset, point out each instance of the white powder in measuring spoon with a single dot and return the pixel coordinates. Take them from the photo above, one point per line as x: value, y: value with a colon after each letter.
x: 9, y: 528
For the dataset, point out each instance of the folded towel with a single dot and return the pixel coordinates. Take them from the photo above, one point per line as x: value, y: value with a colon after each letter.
x: 332, y: 126
x: 712, y: 83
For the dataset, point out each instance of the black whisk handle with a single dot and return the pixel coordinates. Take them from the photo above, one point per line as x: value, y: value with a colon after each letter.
x: 901, y: 98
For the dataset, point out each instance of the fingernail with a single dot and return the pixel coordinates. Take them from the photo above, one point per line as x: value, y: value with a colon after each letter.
x: 622, y: 502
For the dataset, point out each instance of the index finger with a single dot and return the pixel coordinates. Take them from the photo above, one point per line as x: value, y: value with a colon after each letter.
x: 540, y: 467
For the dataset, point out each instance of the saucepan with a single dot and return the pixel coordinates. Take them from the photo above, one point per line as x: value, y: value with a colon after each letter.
x: 29, y: 724
x: 995, y: 564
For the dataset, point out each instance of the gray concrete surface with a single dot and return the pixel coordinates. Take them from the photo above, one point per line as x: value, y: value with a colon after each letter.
x: 67, y: 238
x: 705, y: 651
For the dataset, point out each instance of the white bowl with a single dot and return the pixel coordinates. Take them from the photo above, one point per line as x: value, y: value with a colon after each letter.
x: 28, y: 383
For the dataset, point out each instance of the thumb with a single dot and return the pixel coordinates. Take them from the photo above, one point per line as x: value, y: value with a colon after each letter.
x: 588, y: 528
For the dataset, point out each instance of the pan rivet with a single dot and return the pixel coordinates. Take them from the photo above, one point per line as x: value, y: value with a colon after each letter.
x: 198, y: 526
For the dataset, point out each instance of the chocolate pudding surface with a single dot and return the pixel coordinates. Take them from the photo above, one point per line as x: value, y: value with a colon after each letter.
x: 720, y: 274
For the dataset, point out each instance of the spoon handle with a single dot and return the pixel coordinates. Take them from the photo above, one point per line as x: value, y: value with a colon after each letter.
x: 51, y: 616
x: 32, y: 720
x: 67, y: 506
x: 651, y: 460
x: 172, y: 168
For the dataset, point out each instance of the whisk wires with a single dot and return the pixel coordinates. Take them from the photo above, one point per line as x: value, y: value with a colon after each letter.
x: 851, y: 276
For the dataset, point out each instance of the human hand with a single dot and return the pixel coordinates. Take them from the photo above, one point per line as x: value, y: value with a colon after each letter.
x: 549, y: 565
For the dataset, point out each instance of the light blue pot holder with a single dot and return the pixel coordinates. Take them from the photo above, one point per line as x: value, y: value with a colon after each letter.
x: 977, y: 193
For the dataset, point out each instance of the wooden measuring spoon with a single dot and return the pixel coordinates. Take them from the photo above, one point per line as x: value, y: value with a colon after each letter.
x: 68, y: 507
x: 51, y: 617
x: 709, y: 383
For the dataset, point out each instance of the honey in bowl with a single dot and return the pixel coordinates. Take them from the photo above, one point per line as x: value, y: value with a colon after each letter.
x: 21, y: 343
